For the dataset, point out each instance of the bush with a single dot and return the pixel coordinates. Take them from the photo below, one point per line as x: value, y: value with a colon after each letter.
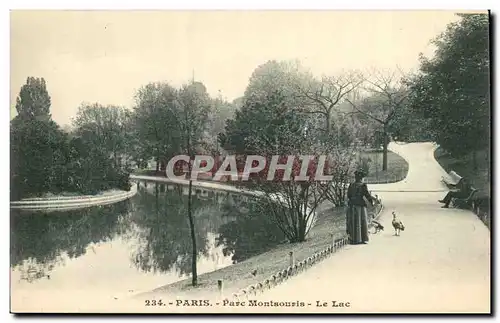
x: 45, y: 160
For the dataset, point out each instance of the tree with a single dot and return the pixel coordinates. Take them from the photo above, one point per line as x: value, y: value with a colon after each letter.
x: 45, y: 159
x: 387, y: 95
x: 273, y: 126
x: 33, y: 100
x: 220, y: 112
x: 155, y: 123
x: 452, y: 89
x: 193, y: 105
x: 342, y: 157
x: 272, y: 76
x: 37, y: 144
x: 326, y: 95
x: 38, y: 154
x: 104, y: 128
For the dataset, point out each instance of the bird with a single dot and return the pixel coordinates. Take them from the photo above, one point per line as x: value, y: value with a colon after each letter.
x: 397, y: 224
x: 254, y: 272
x: 378, y: 227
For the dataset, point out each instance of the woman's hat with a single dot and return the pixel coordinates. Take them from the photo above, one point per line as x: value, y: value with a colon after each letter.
x: 359, y: 173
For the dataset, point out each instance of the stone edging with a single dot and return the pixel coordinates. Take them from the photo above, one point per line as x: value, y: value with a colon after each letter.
x: 294, y: 270
x: 69, y: 203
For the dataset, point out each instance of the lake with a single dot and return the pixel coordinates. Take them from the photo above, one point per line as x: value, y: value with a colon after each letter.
x: 136, y: 245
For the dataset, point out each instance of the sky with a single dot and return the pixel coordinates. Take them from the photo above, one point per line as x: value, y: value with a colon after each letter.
x: 105, y: 56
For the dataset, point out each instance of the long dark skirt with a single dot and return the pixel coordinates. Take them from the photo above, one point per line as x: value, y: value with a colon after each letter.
x: 357, y: 224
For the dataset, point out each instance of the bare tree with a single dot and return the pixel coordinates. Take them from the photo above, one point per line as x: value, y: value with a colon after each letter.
x: 292, y: 205
x: 386, y: 94
x: 326, y: 95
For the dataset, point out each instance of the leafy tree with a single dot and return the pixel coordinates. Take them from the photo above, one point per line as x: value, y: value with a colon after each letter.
x: 260, y: 125
x: 452, y: 89
x: 38, y: 155
x: 104, y: 128
x: 38, y: 145
x: 277, y: 76
x: 33, y: 100
x: 220, y: 112
x: 45, y: 159
x: 155, y: 123
x: 271, y: 126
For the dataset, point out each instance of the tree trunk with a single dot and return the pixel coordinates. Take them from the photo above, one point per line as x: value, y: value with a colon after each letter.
x: 194, y: 255
x: 156, y: 200
x: 157, y: 160
x: 328, y: 125
x: 384, y: 154
x: 474, y: 159
x: 487, y: 158
x: 193, y: 236
x: 301, y: 236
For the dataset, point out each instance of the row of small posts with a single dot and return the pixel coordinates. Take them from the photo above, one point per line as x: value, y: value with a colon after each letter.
x: 293, y: 269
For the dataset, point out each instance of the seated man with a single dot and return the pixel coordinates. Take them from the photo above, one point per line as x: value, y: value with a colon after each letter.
x: 464, y: 189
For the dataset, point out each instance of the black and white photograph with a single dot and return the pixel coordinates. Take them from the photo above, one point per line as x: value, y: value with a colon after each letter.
x: 250, y: 161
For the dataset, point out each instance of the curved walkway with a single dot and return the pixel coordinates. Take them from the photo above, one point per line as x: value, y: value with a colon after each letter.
x: 441, y: 263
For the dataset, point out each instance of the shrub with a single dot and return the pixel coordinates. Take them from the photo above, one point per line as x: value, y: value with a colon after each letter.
x: 45, y: 160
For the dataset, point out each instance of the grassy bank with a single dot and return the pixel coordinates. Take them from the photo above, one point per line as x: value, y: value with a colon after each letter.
x: 397, y: 167
x: 330, y: 221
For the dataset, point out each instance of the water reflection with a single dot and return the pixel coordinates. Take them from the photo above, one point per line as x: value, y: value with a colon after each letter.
x: 251, y: 233
x: 163, y: 233
x: 144, y: 242
x: 40, y: 240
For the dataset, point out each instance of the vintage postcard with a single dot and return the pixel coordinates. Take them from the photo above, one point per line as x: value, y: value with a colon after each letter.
x: 250, y: 162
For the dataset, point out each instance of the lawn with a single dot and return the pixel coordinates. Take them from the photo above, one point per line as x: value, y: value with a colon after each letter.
x: 397, y: 167
x: 331, y: 220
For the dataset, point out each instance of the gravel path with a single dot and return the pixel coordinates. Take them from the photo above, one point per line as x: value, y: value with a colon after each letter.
x: 440, y: 263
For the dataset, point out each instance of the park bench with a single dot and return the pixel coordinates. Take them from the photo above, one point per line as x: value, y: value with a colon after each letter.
x: 466, y: 202
x: 452, y: 179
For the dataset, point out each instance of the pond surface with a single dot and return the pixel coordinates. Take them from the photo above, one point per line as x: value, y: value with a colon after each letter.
x: 136, y: 245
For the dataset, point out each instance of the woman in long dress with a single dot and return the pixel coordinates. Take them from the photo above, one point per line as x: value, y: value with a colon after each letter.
x: 357, y: 222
